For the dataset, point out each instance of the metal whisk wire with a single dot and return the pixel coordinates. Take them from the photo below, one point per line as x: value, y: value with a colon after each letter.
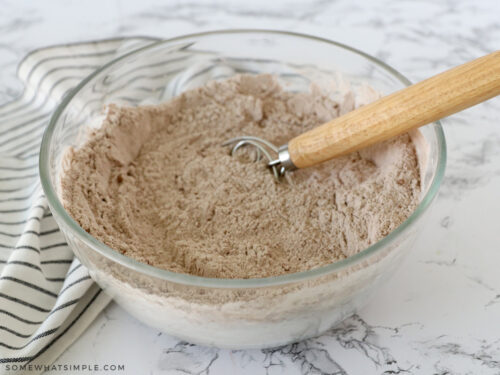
x: 262, y: 146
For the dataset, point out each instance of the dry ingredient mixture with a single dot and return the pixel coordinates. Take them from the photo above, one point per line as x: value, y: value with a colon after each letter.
x: 155, y: 184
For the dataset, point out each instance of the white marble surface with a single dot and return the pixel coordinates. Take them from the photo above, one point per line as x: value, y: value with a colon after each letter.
x: 440, y: 313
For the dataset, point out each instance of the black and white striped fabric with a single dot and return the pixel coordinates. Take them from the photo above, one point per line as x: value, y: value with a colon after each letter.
x: 47, y: 297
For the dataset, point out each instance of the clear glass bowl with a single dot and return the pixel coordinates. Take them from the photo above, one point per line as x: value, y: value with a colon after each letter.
x: 231, y: 313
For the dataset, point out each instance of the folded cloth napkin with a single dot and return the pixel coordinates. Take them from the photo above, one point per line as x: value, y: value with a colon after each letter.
x: 47, y: 298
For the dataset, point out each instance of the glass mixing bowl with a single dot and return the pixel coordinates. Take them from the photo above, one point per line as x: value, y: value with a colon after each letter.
x: 232, y: 313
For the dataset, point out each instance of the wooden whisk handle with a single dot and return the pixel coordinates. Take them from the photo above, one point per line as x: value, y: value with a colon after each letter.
x: 412, y: 107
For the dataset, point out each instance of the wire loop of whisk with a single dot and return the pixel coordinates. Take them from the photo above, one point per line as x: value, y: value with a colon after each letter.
x: 263, y: 147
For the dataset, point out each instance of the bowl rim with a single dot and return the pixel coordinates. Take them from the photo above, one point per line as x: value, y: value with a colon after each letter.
x: 63, y: 216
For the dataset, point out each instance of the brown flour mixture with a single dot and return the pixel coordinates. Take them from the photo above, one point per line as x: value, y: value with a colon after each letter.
x: 155, y: 184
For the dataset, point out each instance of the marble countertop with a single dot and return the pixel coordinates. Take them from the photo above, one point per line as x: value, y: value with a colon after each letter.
x: 440, y: 313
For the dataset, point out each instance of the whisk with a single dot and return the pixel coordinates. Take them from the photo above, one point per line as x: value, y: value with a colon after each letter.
x: 417, y: 105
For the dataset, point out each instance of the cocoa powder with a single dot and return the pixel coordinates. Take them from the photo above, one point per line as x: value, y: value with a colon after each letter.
x: 155, y: 184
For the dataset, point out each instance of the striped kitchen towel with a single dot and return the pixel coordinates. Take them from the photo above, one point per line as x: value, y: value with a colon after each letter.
x: 47, y: 298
